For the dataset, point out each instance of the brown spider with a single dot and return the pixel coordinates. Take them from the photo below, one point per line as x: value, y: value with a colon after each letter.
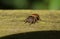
x: 32, y: 19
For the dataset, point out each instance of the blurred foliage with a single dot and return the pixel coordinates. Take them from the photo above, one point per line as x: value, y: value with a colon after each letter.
x: 54, y: 4
x: 39, y: 5
x: 20, y: 4
x: 30, y: 4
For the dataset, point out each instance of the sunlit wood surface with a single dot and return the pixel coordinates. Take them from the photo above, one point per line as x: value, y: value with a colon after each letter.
x: 12, y: 21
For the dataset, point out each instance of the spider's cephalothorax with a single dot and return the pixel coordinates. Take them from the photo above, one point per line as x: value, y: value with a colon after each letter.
x: 36, y: 16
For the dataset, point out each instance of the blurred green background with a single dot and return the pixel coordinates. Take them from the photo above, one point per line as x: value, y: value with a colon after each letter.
x: 30, y: 4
